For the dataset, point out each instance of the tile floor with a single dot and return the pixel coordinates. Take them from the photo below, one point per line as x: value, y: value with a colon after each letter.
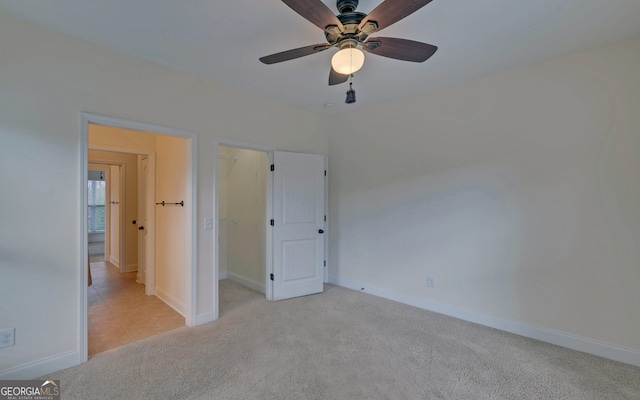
x: 120, y: 312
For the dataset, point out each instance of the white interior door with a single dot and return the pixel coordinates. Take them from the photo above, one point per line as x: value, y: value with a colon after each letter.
x: 142, y: 220
x: 114, y: 216
x: 298, y: 225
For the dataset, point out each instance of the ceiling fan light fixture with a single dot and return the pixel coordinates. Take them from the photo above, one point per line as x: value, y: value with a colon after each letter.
x: 347, y: 61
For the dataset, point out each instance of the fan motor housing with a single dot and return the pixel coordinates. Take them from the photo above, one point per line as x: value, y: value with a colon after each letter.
x: 350, y: 22
x: 345, y: 6
x: 351, y: 18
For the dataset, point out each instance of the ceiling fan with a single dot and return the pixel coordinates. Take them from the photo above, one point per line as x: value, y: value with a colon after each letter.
x: 350, y: 30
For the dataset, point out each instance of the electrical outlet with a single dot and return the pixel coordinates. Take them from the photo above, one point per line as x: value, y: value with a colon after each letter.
x: 431, y: 281
x: 7, y: 337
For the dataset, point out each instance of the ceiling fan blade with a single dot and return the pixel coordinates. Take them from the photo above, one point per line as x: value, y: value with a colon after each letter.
x: 294, y: 53
x: 400, y: 49
x: 336, y: 78
x: 391, y: 11
x: 315, y: 12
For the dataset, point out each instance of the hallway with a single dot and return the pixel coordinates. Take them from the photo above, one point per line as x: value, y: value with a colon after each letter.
x: 120, y: 312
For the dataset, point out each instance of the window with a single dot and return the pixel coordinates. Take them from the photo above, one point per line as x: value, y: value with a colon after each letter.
x: 97, y: 198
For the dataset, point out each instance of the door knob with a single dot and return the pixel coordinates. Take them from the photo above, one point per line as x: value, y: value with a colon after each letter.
x: 320, y: 231
x: 141, y: 228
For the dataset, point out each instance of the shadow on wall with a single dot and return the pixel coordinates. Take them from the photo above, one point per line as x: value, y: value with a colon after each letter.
x: 464, y: 227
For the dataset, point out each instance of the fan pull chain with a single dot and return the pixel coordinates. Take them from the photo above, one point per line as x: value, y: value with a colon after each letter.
x: 351, y: 94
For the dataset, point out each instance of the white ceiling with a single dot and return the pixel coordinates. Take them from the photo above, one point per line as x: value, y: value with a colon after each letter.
x: 222, y: 41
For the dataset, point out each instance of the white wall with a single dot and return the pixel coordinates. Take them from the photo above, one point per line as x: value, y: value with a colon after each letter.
x: 46, y: 80
x: 519, y: 192
x: 173, y: 222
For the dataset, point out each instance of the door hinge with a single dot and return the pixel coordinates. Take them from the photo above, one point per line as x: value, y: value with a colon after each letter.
x: 273, y: 222
x: 325, y: 263
x: 325, y: 172
x: 271, y: 276
x: 273, y: 167
x: 325, y: 218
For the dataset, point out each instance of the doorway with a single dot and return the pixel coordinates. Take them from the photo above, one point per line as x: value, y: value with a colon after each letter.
x: 119, y: 311
x: 294, y: 222
x: 97, y: 211
x: 242, y: 216
x: 171, y: 279
x: 238, y: 169
x: 107, y: 209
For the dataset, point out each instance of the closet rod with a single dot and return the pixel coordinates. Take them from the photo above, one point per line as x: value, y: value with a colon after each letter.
x: 228, y: 156
x: 163, y: 203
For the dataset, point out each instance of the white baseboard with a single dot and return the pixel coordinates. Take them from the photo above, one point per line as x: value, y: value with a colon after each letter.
x: 246, y: 282
x: 222, y: 275
x: 171, y: 301
x: 42, y: 367
x: 205, y: 318
x: 114, y: 261
x: 559, y: 338
x: 130, y: 268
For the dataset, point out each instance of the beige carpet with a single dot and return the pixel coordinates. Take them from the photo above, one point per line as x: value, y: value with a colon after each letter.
x: 342, y: 345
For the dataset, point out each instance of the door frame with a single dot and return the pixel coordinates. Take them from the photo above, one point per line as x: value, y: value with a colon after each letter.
x: 87, y: 119
x: 216, y: 216
x: 143, y: 193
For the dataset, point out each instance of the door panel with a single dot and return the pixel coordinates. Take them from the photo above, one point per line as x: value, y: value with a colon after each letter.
x: 115, y: 216
x: 142, y: 220
x: 298, y: 200
x: 300, y: 255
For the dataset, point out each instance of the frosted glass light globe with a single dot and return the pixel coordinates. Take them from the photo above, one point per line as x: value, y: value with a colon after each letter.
x: 347, y: 61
